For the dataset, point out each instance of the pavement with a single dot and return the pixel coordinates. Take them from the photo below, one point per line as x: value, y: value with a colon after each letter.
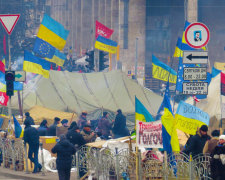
x: 8, y: 174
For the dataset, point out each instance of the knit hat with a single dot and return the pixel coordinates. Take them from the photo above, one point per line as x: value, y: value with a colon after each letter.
x: 215, y: 133
x: 222, y: 137
x: 64, y: 121
x: 204, y: 128
x: 27, y: 114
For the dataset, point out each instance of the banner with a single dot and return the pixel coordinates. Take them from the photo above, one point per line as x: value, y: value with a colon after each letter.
x: 102, y: 30
x: 149, y: 134
x: 189, y: 118
x: 222, y: 84
x: 3, y: 99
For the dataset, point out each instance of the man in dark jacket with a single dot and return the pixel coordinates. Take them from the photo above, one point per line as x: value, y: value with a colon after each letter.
x: 32, y: 138
x: 104, y: 126
x: 42, y: 130
x: 75, y: 137
x: 82, y: 121
x: 197, y: 142
x: 62, y: 129
x: 29, y: 118
x: 120, y: 128
x: 52, y: 129
x: 64, y: 150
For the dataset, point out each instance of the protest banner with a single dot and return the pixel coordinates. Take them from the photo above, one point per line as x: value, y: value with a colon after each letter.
x: 149, y: 134
x: 189, y: 118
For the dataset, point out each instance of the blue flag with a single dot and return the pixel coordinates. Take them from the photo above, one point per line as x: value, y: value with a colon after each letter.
x: 18, y: 128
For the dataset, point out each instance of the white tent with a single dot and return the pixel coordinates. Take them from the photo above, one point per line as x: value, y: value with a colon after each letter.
x: 92, y: 92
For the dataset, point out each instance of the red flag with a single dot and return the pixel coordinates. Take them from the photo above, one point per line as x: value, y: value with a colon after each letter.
x: 196, y: 99
x: 222, y: 83
x: 51, y: 68
x: 2, y: 67
x: 3, y: 98
x: 4, y: 45
x: 102, y: 30
x: 59, y: 68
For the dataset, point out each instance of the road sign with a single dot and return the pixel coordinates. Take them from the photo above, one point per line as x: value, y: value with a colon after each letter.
x: 197, y: 35
x: 20, y: 76
x: 196, y: 73
x: 195, y: 57
x: 9, y: 21
x: 195, y: 88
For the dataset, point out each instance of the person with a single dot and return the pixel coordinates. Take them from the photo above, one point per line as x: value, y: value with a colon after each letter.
x: 52, y: 129
x: 82, y: 121
x: 75, y: 137
x: 104, y: 126
x: 197, y: 36
x: 197, y: 142
x: 72, y: 125
x: 42, y: 130
x: 120, y: 128
x: 28, y: 117
x: 64, y: 150
x: 89, y: 136
x: 212, y: 143
x: 32, y: 138
x: 63, y: 129
x: 217, y: 163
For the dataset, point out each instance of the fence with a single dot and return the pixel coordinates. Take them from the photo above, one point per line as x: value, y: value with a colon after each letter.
x: 106, y: 164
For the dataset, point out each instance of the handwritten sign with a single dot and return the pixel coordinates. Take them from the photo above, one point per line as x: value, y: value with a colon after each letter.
x: 149, y: 134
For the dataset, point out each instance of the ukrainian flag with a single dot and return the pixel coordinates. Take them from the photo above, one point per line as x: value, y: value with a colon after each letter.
x: 105, y: 44
x: 53, y: 32
x: 180, y: 47
x: 35, y: 65
x: 141, y: 113
x: 162, y: 71
x: 58, y: 58
x: 17, y: 128
x: 169, y: 133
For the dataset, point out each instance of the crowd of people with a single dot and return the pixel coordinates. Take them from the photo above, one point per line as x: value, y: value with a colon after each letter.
x: 71, y: 138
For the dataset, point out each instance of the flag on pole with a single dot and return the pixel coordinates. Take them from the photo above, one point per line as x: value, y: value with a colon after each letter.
x: 101, y: 29
x: 222, y: 83
x: 17, y: 127
x: 3, y: 99
x: 105, y: 44
x: 58, y: 58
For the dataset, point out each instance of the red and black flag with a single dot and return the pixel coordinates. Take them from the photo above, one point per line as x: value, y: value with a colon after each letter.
x: 222, y: 84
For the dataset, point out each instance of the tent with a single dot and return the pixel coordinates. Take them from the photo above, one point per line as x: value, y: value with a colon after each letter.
x: 93, y: 92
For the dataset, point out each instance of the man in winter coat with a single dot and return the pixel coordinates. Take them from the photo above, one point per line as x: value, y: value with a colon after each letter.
x: 88, y: 135
x: 75, y: 137
x: 104, y: 126
x: 217, y: 163
x: 62, y: 129
x: 52, y: 129
x: 82, y: 121
x: 212, y: 143
x: 64, y: 150
x: 31, y: 137
x: 197, y: 142
x: 120, y: 128
x: 29, y: 118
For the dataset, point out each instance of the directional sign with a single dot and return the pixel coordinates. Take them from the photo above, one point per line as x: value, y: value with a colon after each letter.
x: 195, y: 57
x: 9, y: 21
x: 196, y: 73
x: 195, y: 88
x: 197, y: 35
x: 20, y: 76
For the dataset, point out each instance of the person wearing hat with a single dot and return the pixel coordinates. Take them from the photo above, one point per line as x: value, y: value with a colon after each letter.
x: 88, y: 134
x: 31, y: 137
x: 197, y: 142
x: 217, y: 163
x: 82, y: 121
x: 29, y: 118
x: 104, y: 126
x: 62, y: 129
x: 212, y: 143
x: 52, y: 129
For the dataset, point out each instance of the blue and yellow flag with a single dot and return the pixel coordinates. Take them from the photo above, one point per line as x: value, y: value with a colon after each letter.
x: 58, y: 58
x: 35, y: 65
x: 105, y: 44
x: 180, y: 47
x: 141, y: 113
x: 162, y: 71
x: 169, y: 133
x: 189, y: 118
x: 53, y: 32
x: 43, y: 48
x: 17, y: 128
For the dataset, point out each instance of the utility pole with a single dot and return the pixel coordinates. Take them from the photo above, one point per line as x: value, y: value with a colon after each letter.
x: 136, y: 59
x: 192, y: 11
